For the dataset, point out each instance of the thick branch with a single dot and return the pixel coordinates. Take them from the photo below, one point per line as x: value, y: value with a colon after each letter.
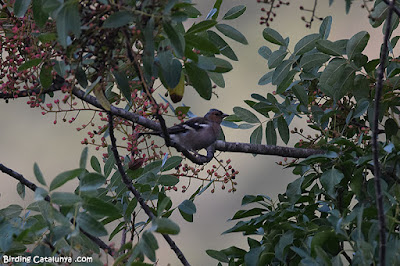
x: 33, y: 187
x: 375, y: 132
x: 136, y: 193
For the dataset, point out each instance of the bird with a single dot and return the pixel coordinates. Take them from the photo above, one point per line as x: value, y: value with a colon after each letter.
x: 196, y: 133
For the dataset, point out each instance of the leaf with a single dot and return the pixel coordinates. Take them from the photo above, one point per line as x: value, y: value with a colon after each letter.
x: 306, y: 44
x: 362, y: 107
x: 11, y: 211
x: 270, y: 133
x: 325, y: 27
x: 379, y: 14
x: 199, y: 80
x: 329, y: 179
x: 234, y: 12
x: 202, y: 43
x: 391, y: 128
x: 21, y: 190
x: 256, y: 135
x: 218, y: 255
x: 165, y: 226
x: 68, y: 20
x: 266, y: 79
x: 29, y: 64
x: 357, y: 44
x: 328, y: 47
x: 94, y: 162
x: 281, y: 72
x: 188, y: 207
x: 217, y: 78
x: 273, y: 36
x: 232, y: 33
x: 38, y: 174
x: 223, y: 47
x: 39, y: 15
x: 65, y: 198
x: 314, y: 60
x: 46, y: 78
x: 283, y: 129
x: 201, y: 26
x: 217, y: 6
x: 245, y: 115
x: 101, y: 98
x: 171, y: 163
x: 264, y: 51
x: 90, y: 225
x: 168, y: 180
x: 20, y: 7
x: 83, y: 159
x: 177, y: 40
x: 149, y: 245
x: 331, y: 75
x: 97, y: 206
x: 118, y: 19
x: 64, y: 177
x: 284, y: 241
x: 91, y: 181
x: 276, y: 58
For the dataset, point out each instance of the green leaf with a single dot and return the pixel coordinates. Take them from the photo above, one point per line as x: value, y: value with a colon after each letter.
x: 256, y: 135
x: 65, y: 198
x: 217, y: 78
x: 177, y: 40
x: 264, y: 51
x: 328, y: 47
x: 165, y: 226
x: 270, y: 133
x: 391, y: 128
x: 83, y: 159
x: 245, y: 115
x: 281, y: 72
x: 234, y: 12
x: 11, y: 211
x: 284, y: 241
x: 46, y: 78
x: 20, y: 7
x: 331, y: 75
x: 94, y: 162
x: 221, y: 65
x: 118, y: 19
x: 232, y: 33
x: 97, y: 206
x: 276, y: 58
x: 64, y: 177
x: 29, y: 64
x: 187, y: 217
x: 80, y: 76
x: 362, y: 107
x: 329, y: 179
x: 357, y: 44
x: 91, y: 181
x: 168, y: 180
x: 149, y: 245
x: 218, y: 255
x: 123, y: 84
x: 39, y: 15
x: 38, y: 174
x: 306, y: 44
x: 273, y: 36
x: 301, y: 94
x: 171, y: 163
x: 199, y: 80
x: 314, y: 60
x: 283, y: 129
x: 201, y: 26
x: 223, y: 47
x: 188, y: 207
x: 202, y: 43
x: 217, y: 6
x: 68, y: 20
x: 325, y: 27
x: 379, y: 14
x: 266, y: 79
x: 90, y: 225
x: 21, y: 190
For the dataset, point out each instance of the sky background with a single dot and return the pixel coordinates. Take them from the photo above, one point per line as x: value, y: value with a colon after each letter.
x: 27, y: 137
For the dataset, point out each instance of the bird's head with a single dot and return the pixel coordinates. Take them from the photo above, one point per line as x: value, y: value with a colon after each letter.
x: 215, y: 115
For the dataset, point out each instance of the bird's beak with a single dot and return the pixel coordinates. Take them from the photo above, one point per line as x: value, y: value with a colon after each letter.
x: 224, y: 115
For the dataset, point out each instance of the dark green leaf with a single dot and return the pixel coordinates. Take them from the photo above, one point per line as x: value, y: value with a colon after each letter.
x: 331, y: 75
x: 68, y: 20
x: 149, y: 245
x: 217, y: 6
x: 325, y: 27
x: 177, y: 40
x: 187, y: 217
x: 245, y: 115
x: 218, y: 255
x: 199, y: 80
x: 165, y: 226
x: 94, y: 162
x: 301, y: 94
x: 217, y: 78
x: 273, y: 36
x: 362, y: 107
x: 90, y: 225
x: 64, y: 177
x: 266, y: 79
x: 276, y: 58
x: 118, y: 19
x: 270, y: 133
x: 379, y: 14
x: 235, y: 12
x: 265, y: 52
x: 391, y: 128
x: 201, y: 43
x: 306, y: 44
x: 29, y: 64
x: 314, y: 60
x: 284, y: 241
x: 11, y: 211
x: 283, y: 129
x: 168, y: 180
x: 65, y: 198
x: 46, y: 78
x: 123, y: 84
x: 91, y: 181
x: 223, y: 47
x: 39, y: 15
x: 221, y: 65
x: 80, y: 76
x: 171, y: 163
x: 21, y: 190
x: 281, y: 72
x: 256, y: 135
x: 100, y: 207
x: 38, y: 174
x: 83, y: 159
x: 232, y: 33
x: 20, y: 7
x: 357, y: 44
x: 328, y: 47
x: 329, y: 179
x: 201, y: 26
x: 187, y: 206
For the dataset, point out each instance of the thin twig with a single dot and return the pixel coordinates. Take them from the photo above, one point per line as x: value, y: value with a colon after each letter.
x: 136, y: 193
x: 375, y: 144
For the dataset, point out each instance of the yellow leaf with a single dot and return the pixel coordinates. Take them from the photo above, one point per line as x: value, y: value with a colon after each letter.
x: 101, y: 98
x: 176, y: 93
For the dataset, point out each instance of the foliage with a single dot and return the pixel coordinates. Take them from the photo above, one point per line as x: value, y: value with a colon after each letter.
x: 328, y: 215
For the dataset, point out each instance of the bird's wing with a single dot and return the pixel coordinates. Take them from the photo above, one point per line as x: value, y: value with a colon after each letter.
x: 195, y: 124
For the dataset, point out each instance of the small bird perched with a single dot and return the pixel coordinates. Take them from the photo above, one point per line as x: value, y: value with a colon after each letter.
x: 196, y: 133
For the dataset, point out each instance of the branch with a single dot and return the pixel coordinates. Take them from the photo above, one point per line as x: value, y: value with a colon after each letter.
x: 33, y: 187
x: 136, y: 193
x: 375, y: 144
x: 393, y: 7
